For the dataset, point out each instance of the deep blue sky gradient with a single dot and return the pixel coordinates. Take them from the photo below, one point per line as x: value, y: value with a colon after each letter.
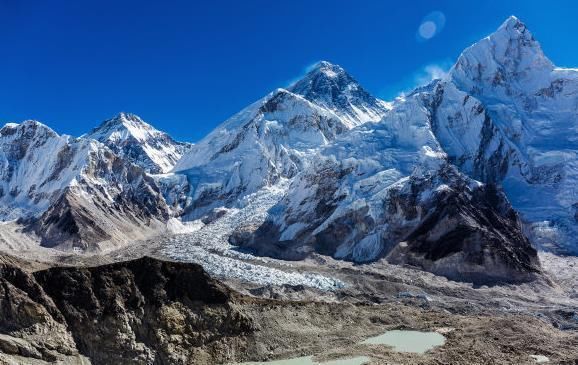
x: 185, y: 66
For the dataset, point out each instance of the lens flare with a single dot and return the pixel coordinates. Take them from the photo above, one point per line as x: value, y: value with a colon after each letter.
x: 431, y: 25
x: 427, y: 29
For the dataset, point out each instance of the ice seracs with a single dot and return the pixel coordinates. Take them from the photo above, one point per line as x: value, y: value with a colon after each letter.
x: 139, y: 142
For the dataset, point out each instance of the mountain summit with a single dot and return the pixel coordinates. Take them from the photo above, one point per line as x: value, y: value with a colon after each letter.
x: 531, y: 108
x: 403, y: 189
x: 139, y: 142
x: 274, y: 138
x: 508, y: 58
x: 332, y: 88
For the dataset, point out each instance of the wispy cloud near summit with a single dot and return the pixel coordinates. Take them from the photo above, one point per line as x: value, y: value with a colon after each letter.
x: 420, y: 77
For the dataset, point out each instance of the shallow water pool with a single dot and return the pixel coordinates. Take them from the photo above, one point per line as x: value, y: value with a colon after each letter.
x: 408, y: 341
x: 308, y: 360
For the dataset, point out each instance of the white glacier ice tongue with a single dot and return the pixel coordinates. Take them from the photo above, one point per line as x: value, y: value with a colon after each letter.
x: 209, y: 246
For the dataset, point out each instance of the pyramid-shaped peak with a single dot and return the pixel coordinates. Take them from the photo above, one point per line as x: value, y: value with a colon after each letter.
x: 512, y: 22
x: 124, y: 118
x: 327, y: 69
x: 513, y: 28
x: 326, y: 64
x: 508, y: 56
x: 122, y: 126
x: 510, y: 41
x: 329, y: 86
x: 139, y: 142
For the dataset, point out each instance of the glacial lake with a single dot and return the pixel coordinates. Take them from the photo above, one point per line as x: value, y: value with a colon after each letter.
x: 308, y: 360
x: 408, y: 341
x: 400, y: 340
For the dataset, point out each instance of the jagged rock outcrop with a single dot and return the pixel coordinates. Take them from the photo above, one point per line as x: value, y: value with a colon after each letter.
x: 144, y: 311
x: 32, y: 329
x: 464, y: 233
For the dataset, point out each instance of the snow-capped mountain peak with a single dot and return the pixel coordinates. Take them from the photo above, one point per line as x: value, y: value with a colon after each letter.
x: 365, y: 179
x: 265, y: 142
x: 124, y: 126
x: 28, y: 127
x: 509, y: 61
x: 532, y: 104
x: 131, y: 137
x: 328, y: 69
x: 331, y: 87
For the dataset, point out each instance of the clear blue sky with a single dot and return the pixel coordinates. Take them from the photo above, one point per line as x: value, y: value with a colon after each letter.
x: 185, y: 66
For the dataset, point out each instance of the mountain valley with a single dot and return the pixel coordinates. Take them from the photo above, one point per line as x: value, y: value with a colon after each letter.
x: 312, y: 219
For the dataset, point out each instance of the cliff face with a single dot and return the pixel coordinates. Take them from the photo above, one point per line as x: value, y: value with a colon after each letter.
x: 144, y: 311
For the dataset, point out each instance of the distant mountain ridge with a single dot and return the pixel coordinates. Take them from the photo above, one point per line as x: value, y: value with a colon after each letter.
x: 74, y: 192
x: 453, y: 177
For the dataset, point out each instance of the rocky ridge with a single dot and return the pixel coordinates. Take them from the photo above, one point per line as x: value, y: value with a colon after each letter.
x: 138, y: 312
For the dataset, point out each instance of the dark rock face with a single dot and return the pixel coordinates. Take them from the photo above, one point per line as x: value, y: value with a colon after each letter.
x: 472, y: 236
x: 27, y: 315
x: 144, y: 311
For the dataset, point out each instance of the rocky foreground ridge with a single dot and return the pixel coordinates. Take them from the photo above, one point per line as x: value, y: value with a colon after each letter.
x: 138, y: 312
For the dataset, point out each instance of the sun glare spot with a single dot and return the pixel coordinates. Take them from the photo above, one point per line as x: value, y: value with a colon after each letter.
x: 431, y: 25
x: 427, y: 29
